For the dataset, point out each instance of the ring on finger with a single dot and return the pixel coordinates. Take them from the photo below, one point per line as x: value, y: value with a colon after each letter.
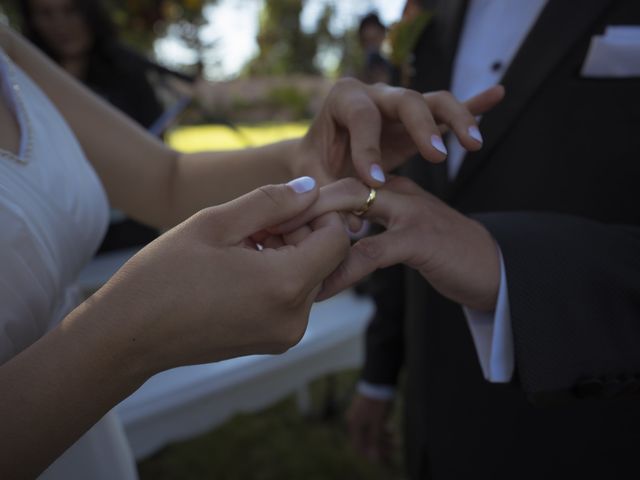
x: 367, y: 204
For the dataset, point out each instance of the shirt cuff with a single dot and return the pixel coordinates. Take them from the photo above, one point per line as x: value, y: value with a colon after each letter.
x: 493, y: 336
x: 376, y: 392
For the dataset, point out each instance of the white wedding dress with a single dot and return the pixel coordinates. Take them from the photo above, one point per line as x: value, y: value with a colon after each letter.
x: 53, y: 214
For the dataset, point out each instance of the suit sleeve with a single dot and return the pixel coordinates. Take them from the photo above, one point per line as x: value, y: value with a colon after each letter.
x: 384, y: 341
x: 574, y: 294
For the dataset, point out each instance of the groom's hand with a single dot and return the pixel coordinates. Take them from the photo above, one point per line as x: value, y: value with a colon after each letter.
x: 369, y: 431
x: 454, y: 253
x: 366, y: 130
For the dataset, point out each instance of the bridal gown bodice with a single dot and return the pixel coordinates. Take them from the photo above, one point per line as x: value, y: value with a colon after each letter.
x: 53, y: 215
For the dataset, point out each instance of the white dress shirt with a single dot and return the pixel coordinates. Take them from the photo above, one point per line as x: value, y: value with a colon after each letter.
x: 492, y: 33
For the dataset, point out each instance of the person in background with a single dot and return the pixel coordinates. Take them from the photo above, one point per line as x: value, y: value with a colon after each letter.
x: 80, y: 36
x: 371, y: 35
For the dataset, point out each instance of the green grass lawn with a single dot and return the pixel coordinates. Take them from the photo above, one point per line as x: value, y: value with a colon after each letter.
x: 221, y: 137
x: 276, y: 444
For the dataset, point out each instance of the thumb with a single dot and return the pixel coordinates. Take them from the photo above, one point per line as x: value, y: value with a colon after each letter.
x: 267, y: 206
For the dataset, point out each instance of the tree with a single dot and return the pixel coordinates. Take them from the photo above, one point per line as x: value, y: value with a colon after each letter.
x: 284, y: 47
x: 142, y: 21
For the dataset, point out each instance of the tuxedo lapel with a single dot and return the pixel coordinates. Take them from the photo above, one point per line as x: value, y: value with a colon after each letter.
x: 543, y: 49
x: 435, y: 53
x: 452, y: 13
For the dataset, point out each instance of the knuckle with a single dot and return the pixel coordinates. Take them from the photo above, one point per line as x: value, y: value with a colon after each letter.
x: 271, y: 194
x: 208, y: 217
x: 369, y: 151
x: 363, y: 109
x: 347, y: 83
x: 408, y: 95
x: 444, y: 96
x: 205, y: 215
x: 369, y: 248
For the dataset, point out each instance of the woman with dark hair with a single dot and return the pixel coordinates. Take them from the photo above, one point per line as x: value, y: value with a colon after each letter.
x: 80, y: 36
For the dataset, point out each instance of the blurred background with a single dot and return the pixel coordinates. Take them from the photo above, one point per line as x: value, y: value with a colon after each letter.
x: 225, y: 74
x: 249, y: 61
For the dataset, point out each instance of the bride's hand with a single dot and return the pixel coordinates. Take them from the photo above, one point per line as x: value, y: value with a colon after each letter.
x: 366, y: 130
x: 203, y: 292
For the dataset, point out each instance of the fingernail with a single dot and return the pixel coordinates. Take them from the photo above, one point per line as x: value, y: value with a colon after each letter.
x: 438, y: 144
x: 302, y: 184
x: 377, y: 173
x: 474, y: 133
x: 361, y: 232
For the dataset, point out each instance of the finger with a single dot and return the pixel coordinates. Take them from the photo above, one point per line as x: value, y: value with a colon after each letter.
x: 297, y: 236
x: 485, y: 101
x: 272, y: 241
x: 464, y: 128
x: 367, y: 255
x: 452, y: 114
x: 349, y: 194
x: 410, y: 108
x: 345, y: 195
x: 374, y: 441
x: 386, y: 444
x: 320, y: 252
x: 359, y: 115
x: 358, y: 437
x: 402, y: 185
x: 355, y: 224
x: 264, y: 207
x: 356, y: 431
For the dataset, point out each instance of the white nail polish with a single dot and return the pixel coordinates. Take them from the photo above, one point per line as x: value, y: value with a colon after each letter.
x: 377, y: 173
x: 474, y: 133
x: 438, y: 144
x: 302, y: 184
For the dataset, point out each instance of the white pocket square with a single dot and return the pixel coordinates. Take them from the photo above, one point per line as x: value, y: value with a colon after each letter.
x: 614, y: 54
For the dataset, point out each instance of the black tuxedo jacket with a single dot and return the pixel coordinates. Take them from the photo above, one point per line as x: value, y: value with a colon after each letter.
x: 558, y: 171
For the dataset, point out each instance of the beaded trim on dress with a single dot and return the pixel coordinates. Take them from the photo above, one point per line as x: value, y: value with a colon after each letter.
x: 13, y: 94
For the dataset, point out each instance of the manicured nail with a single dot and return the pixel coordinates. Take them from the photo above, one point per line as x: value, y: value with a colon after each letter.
x: 438, y: 144
x: 361, y: 232
x: 377, y: 173
x: 302, y: 184
x: 475, y: 133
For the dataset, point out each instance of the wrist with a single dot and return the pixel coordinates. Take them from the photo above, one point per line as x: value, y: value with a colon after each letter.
x: 112, y: 326
x: 484, y: 278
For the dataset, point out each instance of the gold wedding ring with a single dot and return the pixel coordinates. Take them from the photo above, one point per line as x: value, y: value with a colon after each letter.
x: 367, y: 204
